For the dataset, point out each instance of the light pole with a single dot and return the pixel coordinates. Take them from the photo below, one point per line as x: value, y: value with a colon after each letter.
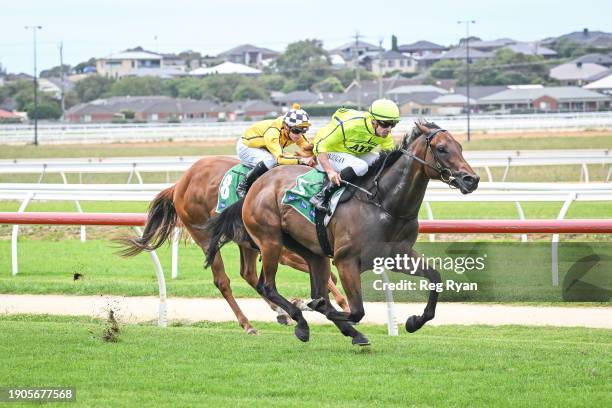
x: 34, y: 28
x: 467, y: 70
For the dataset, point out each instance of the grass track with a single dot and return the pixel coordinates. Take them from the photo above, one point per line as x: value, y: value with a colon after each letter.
x: 217, y: 365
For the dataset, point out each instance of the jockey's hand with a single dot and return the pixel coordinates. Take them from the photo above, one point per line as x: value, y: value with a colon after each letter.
x: 308, y: 161
x: 334, y: 176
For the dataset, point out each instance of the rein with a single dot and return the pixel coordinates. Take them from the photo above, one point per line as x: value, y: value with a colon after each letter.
x: 446, y: 175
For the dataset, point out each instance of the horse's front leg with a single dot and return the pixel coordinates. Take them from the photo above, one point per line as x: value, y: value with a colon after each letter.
x: 414, y: 322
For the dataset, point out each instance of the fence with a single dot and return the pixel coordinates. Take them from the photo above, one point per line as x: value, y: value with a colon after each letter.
x: 109, y: 133
x: 448, y: 226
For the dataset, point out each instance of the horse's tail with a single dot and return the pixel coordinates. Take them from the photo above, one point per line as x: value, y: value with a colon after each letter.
x: 225, y: 227
x: 161, y: 220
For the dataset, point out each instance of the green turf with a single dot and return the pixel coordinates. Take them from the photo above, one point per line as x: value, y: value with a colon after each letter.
x: 217, y: 365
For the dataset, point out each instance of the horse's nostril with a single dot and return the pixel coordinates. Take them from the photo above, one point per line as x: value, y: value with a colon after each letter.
x: 470, y: 180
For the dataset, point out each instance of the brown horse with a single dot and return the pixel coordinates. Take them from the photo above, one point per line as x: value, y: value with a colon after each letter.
x: 193, y: 200
x: 386, y: 217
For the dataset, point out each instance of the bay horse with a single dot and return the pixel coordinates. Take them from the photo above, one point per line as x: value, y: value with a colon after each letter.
x: 191, y: 202
x: 386, y: 216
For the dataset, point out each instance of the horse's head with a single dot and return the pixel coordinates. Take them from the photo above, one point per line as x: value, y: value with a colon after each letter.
x: 443, y: 157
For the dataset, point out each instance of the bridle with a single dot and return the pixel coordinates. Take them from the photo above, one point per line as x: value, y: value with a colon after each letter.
x: 446, y: 174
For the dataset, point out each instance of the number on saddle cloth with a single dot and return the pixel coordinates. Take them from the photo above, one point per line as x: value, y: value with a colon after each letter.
x: 227, y: 188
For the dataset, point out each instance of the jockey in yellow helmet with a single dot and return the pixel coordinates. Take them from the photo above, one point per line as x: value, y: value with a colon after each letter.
x: 343, y: 147
x: 262, y: 144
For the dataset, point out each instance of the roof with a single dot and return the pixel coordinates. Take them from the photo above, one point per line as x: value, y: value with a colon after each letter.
x: 603, y: 83
x: 560, y: 93
x: 8, y: 115
x: 302, y: 97
x: 353, y: 44
x: 409, y: 89
x: 531, y: 49
x: 421, y: 46
x: 461, y: 53
x: 481, y: 91
x: 588, y: 37
x: 500, y: 42
x: 166, y: 72
x: 226, y: 68
x: 421, y: 98
x: 600, y: 59
x: 241, y: 49
x: 394, y: 55
x: 452, y: 99
x: 572, y: 71
x: 133, y: 55
x: 252, y: 105
x: 144, y: 104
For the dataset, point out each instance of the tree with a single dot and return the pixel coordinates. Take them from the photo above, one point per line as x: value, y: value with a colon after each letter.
x: 139, y: 86
x: 329, y: 84
x: 249, y: 91
x: 55, y: 71
x: 303, y: 56
x: 78, y: 68
x: 93, y: 87
x: 445, y: 69
x: 394, y: 43
x: 189, y: 87
x: 272, y: 82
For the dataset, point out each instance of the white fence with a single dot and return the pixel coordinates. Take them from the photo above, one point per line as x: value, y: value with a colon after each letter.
x: 135, y: 166
x: 109, y: 133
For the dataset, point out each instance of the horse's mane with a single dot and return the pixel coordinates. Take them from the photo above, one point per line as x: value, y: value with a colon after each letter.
x: 387, y: 158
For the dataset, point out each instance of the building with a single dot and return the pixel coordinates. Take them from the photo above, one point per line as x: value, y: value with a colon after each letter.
x: 551, y: 99
x: 421, y: 48
x: 599, y: 59
x: 226, y: 68
x: 596, y: 39
x: 163, y: 73
x: 531, y: 49
x: 123, y: 63
x: 248, y: 54
x: 54, y: 86
x: 301, y: 97
x: 393, y: 61
x: 603, y: 85
x: 355, y: 49
x: 577, y: 74
x: 491, y: 46
x: 12, y: 117
x: 145, y: 108
x: 253, y: 110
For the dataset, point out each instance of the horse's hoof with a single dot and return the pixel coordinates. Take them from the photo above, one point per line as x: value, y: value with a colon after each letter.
x: 302, y: 333
x: 283, y: 319
x: 412, y: 324
x: 361, y: 340
x: 252, y: 331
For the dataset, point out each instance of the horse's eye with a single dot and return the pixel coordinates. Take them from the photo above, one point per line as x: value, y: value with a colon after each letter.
x: 441, y: 149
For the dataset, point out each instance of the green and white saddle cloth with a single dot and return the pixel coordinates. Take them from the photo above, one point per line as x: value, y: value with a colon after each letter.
x: 227, y: 189
x: 306, y: 186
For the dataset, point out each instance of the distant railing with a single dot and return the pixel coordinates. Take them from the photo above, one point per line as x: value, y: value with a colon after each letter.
x: 190, y: 131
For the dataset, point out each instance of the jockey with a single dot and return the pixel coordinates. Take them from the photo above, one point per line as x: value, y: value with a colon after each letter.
x: 343, y: 147
x: 262, y: 144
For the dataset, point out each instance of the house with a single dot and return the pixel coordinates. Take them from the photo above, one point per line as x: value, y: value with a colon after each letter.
x: 452, y: 104
x: 54, y: 86
x: 11, y: 117
x: 577, y: 74
x: 603, y: 85
x: 596, y: 39
x: 368, y: 91
x: 248, y: 54
x: 301, y: 97
x: 391, y: 61
x: 460, y: 53
x: 123, y: 63
x: 479, y: 91
x: 163, y: 73
x: 396, y: 93
x: 531, y: 49
x: 491, y: 46
x: 421, y: 48
x: 354, y: 49
x: 560, y: 98
x: 226, y: 68
x: 254, y: 110
x: 145, y: 108
x: 599, y: 59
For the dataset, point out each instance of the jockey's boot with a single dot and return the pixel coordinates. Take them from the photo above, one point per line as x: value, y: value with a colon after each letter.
x: 250, y: 178
x: 320, y: 200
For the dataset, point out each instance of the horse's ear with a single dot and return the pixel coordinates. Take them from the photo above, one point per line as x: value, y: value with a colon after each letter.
x: 424, y: 129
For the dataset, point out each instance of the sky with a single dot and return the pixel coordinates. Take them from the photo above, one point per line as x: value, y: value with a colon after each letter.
x: 98, y: 28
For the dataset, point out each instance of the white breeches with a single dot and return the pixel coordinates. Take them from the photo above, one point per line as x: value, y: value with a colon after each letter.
x: 341, y: 161
x: 253, y: 155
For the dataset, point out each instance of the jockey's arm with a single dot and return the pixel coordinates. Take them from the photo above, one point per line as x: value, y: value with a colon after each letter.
x: 271, y: 137
x: 332, y: 174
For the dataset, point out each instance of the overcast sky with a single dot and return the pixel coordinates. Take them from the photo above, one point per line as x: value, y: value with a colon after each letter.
x: 98, y: 28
